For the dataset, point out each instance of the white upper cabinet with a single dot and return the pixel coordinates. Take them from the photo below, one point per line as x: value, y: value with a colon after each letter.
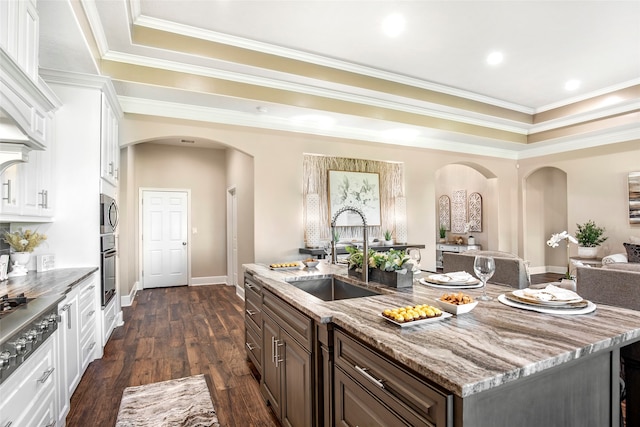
x: 27, y: 189
x: 109, y: 145
x: 19, y: 34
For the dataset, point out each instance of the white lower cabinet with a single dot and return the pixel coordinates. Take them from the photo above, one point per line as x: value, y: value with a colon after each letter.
x: 29, y: 394
x: 109, y: 320
x: 77, y: 339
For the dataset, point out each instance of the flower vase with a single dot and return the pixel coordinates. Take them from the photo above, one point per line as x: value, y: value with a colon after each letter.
x: 20, y: 261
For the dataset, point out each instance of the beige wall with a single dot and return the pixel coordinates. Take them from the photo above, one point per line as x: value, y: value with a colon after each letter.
x: 203, y: 171
x: 277, y: 160
x: 240, y: 177
x: 596, y: 184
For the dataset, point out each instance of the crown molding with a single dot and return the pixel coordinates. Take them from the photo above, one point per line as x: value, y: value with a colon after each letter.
x: 93, y: 17
x: 377, y: 99
x: 220, y: 116
x: 600, y: 92
x: 186, y: 30
x: 89, y: 81
x: 628, y: 106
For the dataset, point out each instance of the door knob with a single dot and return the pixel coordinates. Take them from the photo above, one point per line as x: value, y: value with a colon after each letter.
x: 184, y: 243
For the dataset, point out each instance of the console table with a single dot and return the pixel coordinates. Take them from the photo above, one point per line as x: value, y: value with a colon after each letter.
x: 452, y: 247
x: 341, y: 249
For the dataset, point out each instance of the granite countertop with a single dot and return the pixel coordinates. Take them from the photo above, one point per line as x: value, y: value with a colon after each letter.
x: 466, y: 354
x: 53, y: 282
x: 48, y: 288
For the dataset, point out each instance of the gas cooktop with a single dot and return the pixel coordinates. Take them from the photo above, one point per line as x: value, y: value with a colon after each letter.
x: 9, y: 305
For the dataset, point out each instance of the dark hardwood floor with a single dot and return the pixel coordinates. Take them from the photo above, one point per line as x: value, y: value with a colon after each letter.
x: 171, y: 333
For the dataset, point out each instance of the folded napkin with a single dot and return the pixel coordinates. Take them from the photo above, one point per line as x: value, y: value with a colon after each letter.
x: 457, y: 276
x: 551, y: 293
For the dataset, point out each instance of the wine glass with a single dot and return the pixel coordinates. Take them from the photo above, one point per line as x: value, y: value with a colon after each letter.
x: 415, y: 256
x: 484, y: 267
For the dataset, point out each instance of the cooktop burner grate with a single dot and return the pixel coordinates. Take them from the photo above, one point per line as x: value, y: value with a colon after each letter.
x: 8, y: 305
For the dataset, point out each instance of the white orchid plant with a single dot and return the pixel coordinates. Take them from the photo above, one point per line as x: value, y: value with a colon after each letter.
x: 554, y: 242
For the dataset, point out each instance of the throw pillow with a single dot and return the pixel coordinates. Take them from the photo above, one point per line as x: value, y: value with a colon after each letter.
x: 633, y: 252
x: 614, y: 259
x: 635, y: 240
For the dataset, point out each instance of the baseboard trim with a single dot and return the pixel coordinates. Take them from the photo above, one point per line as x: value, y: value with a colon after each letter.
x: 240, y: 292
x: 127, y: 300
x: 211, y: 280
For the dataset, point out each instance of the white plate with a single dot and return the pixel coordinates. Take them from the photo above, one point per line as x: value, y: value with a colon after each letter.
x: 438, y: 279
x: 520, y: 294
x: 439, y: 286
x: 444, y: 315
x: 588, y: 309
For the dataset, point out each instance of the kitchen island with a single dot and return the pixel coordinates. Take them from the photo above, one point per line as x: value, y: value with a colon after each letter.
x: 497, y: 365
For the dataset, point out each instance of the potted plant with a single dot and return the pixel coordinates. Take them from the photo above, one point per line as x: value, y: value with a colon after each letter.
x: 388, y: 238
x: 443, y: 233
x: 22, y: 243
x: 589, y: 237
x: 390, y: 268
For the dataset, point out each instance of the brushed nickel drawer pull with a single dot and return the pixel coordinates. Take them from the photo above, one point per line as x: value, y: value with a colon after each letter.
x: 250, y: 347
x: 370, y: 377
x: 46, y: 375
x: 91, y: 313
x: 51, y: 424
x: 250, y: 312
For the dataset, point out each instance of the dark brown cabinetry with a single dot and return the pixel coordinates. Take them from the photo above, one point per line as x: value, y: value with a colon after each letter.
x: 369, y: 389
x: 287, y: 371
x: 253, y: 321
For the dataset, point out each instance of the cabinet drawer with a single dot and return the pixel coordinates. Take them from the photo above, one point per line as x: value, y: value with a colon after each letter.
x: 355, y: 406
x: 253, y: 344
x: 88, y: 316
x: 299, y: 326
x: 29, y: 385
x: 399, y: 389
x: 87, y: 345
x: 109, y: 320
x: 253, y: 310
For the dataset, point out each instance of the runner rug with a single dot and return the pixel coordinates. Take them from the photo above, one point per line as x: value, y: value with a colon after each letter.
x: 184, y: 402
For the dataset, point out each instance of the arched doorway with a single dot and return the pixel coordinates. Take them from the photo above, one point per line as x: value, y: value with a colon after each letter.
x: 545, y: 212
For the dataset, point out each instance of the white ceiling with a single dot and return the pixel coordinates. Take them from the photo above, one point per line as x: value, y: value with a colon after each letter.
x: 444, y: 47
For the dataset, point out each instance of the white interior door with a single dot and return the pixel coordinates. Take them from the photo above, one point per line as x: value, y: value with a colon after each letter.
x: 164, y: 238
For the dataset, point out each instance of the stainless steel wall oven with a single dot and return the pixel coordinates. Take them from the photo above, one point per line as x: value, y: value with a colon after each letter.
x: 108, y: 267
x: 108, y: 224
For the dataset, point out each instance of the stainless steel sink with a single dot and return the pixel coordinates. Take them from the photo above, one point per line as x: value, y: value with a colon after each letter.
x: 331, y: 288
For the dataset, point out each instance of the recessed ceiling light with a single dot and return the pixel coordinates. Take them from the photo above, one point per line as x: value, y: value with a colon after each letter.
x: 572, y: 84
x: 393, y: 25
x: 314, y: 120
x: 495, y: 58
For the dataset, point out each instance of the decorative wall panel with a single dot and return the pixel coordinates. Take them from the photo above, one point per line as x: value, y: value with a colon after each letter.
x: 444, y: 212
x: 459, y: 211
x: 475, y: 212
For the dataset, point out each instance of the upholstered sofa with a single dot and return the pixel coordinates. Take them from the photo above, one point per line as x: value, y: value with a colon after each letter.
x: 510, y: 269
x: 615, y: 283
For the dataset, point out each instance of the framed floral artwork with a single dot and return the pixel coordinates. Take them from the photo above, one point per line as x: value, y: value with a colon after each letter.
x: 358, y: 189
